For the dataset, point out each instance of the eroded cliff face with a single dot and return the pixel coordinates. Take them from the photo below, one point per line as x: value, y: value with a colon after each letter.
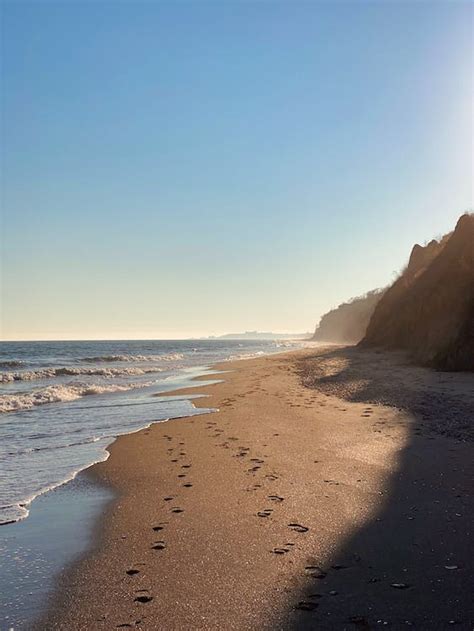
x: 348, y: 322
x: 429, y: 309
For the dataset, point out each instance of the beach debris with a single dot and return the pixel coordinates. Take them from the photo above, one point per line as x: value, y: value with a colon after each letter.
x: 451, y: 567
x: 314, y: 571
x: 337, y: 566
x: 333, y: 592
x: 298, y: 527
x: 400, y: 585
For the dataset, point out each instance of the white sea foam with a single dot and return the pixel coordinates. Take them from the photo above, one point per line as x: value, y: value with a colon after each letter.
x: 245, y: 356
x: 60, y: 393
x: 47, y: 373
x: 135, y: 358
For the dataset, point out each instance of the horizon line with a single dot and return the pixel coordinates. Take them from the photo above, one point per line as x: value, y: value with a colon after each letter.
x: 148, y: 339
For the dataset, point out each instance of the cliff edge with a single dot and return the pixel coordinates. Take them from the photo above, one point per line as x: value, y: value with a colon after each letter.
x: 429, y: 309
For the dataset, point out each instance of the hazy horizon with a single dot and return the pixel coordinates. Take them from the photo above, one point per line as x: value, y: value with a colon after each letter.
x: 208, y: 337
x: 185, y: 170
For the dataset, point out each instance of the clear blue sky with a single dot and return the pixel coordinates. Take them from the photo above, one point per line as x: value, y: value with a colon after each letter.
x: 190, y: 168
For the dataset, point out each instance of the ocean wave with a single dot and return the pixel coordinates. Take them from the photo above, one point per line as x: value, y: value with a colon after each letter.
x: 46, y: 373
x: 60, y: 393
x: 134, y: 358
x: 14, y: 363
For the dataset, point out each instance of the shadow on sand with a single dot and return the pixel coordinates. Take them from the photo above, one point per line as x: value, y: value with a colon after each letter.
x: 413, y: 564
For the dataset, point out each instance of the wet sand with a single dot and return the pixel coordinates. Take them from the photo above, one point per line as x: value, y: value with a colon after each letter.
x: 320, y: 496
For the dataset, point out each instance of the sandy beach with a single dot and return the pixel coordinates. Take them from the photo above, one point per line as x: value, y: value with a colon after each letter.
x: 332, y: 490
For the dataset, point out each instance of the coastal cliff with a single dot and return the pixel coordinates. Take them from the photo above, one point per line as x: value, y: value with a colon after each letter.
x: 429, y: 309
x: 348, y: 322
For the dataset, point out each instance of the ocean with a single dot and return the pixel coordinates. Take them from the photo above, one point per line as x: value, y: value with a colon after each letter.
x: 63, y: 403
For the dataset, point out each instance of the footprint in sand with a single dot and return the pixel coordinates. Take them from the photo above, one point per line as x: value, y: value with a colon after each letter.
x: 306, y: 605
x: 169, y: 498
x: 276, y: 498
x: 177, y: 510
x: 158, y: 545
x: 143, y: 599
x: 298, y: 527
x: 185, y: 466
x: 132, y: 572
x: 158, y: 527
x: 314, y: 571
x: 265, y: 513
x: 187, y: 485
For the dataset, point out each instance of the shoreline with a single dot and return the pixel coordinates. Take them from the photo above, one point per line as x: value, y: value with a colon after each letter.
x: 74, y: 505
x: 233, y: 528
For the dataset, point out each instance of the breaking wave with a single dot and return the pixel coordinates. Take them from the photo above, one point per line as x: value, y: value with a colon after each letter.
x: 60, y: 393
x: 46, y: 373
x: 14, y: 363
x: 134, y: 358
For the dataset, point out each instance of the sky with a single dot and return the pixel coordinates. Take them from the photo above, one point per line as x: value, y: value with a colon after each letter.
x: 174, y: 169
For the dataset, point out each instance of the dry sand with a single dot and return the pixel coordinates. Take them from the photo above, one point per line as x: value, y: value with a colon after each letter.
x: 332, y: 505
